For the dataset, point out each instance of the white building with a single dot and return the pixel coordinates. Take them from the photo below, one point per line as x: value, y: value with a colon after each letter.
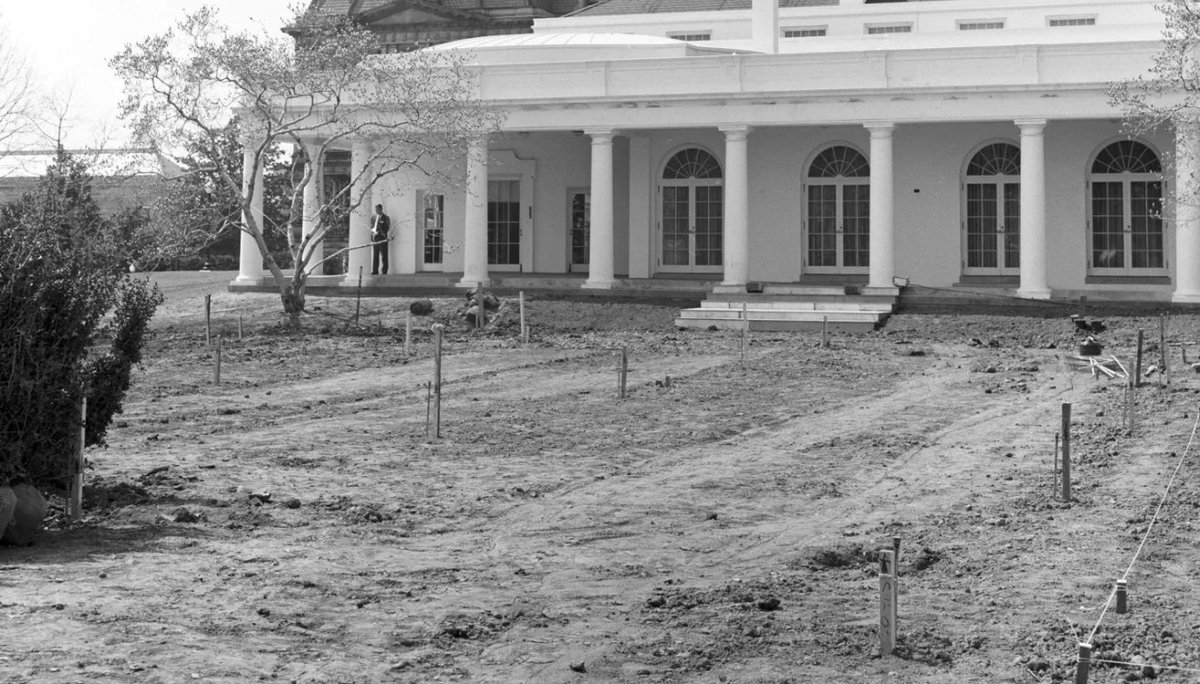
x: 947, y: 143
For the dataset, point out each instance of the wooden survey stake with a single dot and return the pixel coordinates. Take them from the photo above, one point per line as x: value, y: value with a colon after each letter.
x: 888, y: 585
x: 1066, y: 452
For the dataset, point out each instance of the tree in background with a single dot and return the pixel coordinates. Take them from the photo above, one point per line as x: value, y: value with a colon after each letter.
x: 415, y: 108
x: 61, y: 273
x: 17, y: 95
x: 193, y: 217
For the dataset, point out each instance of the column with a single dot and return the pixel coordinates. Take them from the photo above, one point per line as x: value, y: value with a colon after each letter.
x: 362, y: 209
x: 882, y: 253
x: 600, y: 253
x: 475, y: 263
x: 1187, y: 213
x: 737, y: 207
x: 250, y: 257
x: 1033, y: 210
x: 312, y: 208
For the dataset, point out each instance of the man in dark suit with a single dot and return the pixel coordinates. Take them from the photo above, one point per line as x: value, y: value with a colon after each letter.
x: 381, y: 225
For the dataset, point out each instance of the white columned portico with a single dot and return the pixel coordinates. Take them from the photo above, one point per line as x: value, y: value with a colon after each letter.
x: 737, y: 206
x: 250, y: 258
x: 600, y: 252
x: 475, y: 238
x: 1033, y: 210
x: 360, y: 213
x: 883, y: 188
x: 1187, y: 213
x: 312, y: 208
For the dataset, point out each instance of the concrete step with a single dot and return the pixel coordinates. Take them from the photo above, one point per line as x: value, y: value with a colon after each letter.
x: 843, y: 304
x: 781, y: 319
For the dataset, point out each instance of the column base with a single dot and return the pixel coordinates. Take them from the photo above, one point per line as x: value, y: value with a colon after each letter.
x: 473, y: 281
x: 733, y: 284
x: 1033, y: 294
x: 590, y: 284
x: 1185, y: 297
x: 247, y: 280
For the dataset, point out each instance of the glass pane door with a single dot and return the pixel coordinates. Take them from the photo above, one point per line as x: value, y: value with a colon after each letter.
x: 581, y: 218
x: 856, y: 225
x: 1011, y: 224
x: 822, y: 225
x: 1145, y: 221
x: 1108, y: 219
x: 434, y: 221
x: 504, y: 222
x: 709, y: 225
x: 982, y: 222
x: 676, y: 225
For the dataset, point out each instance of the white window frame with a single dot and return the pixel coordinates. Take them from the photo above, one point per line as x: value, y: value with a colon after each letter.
x: 1070, y: 21
x: 885, y: 29
x: 806, y: 31
x: 980, y: 24
x: 690, y: 36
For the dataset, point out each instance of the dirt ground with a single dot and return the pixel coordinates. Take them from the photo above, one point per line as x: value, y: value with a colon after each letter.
x: 301, y: 522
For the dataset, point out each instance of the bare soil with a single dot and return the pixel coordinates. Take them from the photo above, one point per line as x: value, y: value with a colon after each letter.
x: 302, y: 522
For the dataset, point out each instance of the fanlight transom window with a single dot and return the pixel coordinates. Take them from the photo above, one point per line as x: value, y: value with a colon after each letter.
x: 692, y: 163
x: 997, y: 159
x: 1127, y: 156
x: 839, y: 161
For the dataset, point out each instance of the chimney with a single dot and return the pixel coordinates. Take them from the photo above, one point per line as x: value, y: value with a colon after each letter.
x: 764, y: 26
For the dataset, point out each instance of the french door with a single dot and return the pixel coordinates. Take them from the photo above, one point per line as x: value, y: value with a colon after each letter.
x: 692, y: 227
x: 993, y: 225
x: 839, y: 227
x: 504, y: 225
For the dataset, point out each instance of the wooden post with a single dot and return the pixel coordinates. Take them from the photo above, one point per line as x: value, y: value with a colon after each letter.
x: 358, y: 297
x: 745, y: 331
x: 75, y: 505
x: 1066, y: 452
x: 1137, y: 364
x: 1084, y: 664
x: 1183, y: 352
x: 217, y: 366
x: 428, y: 403
x: 1083, y: 307
x: 481, y: 312
x: 208, y: 320
x: 1129, y: 406
x: 239, y: 326
x: 1122, y: 597
x: 887, y: 602
x: 407, y: 332
x: 1055, y: 471
x: 1164, y: 367
x: 622, y: 372
x: 438, y: 329
x: 824, y: 332
x: 524, y: 330
x: 896, y: 574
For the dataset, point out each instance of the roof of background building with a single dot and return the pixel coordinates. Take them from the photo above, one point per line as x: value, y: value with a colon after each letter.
x: 611, y: 7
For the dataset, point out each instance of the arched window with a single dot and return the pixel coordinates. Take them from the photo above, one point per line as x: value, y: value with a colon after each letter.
x: 992, y: 206
x: 692, y: 212
x: 838, y: 208
x: 692, y: 162
x: 1125, y: 235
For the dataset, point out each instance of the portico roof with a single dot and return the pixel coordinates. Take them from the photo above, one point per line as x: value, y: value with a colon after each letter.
x: 558, y: 47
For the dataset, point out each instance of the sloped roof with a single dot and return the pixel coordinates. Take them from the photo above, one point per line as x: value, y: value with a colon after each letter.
x: 612, y: 7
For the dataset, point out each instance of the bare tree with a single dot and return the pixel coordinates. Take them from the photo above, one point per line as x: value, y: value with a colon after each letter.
x: 17, y: 95
x: 328, y: 88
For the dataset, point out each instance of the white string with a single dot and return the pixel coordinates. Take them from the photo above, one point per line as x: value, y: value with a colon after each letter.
x: 1162, y: 500
x: 1157, y: 667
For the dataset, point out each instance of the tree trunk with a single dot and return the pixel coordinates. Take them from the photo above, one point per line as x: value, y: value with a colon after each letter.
x: 293, y: 301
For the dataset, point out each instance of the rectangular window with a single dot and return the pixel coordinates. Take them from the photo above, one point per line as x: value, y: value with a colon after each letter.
x: 434, y: 224
x: 1071, y: 21
x: 805, y: 32
x: 980, y: 24
x: 880, y: 29
x: 691, y: 37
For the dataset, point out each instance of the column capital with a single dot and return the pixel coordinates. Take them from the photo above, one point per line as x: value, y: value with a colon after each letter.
x: 604, y: 135
x: 1029, y: 126
x: 735, y: 132
x: 880, y: 129
x: 361, y: 145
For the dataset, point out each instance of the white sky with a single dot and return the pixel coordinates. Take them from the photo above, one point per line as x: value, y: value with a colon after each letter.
x: 68, y: 43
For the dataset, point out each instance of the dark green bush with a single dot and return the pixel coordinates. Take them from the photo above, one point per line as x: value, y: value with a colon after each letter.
x: 60, y: 275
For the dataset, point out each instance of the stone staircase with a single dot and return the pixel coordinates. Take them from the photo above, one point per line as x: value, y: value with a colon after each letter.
x: 793, y: 307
